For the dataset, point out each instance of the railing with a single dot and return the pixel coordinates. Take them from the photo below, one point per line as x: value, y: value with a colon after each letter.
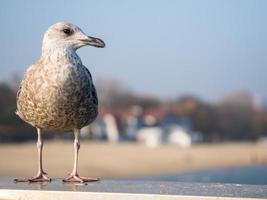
x: 129, y: 190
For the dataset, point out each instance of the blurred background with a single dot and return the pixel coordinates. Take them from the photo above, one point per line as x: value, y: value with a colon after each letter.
x: 181, y: 86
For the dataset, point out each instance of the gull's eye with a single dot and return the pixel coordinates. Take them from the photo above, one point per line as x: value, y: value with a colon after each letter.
x: 67, y: 31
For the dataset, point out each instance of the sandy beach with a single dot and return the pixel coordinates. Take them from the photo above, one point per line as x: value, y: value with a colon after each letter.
x: 127, y: 159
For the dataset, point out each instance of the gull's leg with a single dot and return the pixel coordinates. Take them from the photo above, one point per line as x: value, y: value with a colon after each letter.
x: 41, y: 175
x: 74, y: 177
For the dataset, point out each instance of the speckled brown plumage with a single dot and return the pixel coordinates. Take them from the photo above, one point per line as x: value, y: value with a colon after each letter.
x: 48, y: 100
x: 57, y: 92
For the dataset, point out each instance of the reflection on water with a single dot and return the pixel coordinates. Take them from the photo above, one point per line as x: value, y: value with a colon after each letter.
x: 36, y: 185
x: 41, y: 185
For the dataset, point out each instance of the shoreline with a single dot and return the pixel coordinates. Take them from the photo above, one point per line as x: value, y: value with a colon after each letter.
x: 127, y: 160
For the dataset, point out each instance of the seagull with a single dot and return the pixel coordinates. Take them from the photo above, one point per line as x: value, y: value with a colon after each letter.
x: 57, y: 92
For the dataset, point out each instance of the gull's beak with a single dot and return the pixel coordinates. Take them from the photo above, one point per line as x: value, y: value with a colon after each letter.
x: 96, y: 42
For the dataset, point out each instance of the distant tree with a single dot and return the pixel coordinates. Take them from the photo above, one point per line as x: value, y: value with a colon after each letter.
x: 12, y: 128
x: 7, y: 104
x: 235, y: 113
x: 148, y: 102
x: 114, y: 94
x: 185, y: 106
x: 260, y: 124
x: 205, y: 120
x: 202, y: 115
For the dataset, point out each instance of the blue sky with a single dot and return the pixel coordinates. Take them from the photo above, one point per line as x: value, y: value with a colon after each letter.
x: 164, y: 48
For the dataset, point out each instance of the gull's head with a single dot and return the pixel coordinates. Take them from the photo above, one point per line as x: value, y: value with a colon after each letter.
x: 69, y: 36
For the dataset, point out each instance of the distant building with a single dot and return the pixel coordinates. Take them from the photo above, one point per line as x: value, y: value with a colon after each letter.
x: 153, y: 127
x: 151, y: 136
x: 179, y: 136
x: 111, y: 128
x: 133, y: 122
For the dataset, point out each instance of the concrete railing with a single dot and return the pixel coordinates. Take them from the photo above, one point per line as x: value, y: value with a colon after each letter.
x: 128, y: 190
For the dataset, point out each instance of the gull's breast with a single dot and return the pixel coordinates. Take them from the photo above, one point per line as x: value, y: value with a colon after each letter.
x: 57, y: 98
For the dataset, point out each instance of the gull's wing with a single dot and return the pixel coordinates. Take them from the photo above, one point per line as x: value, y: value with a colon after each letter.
x: 93, y: 90
x: 18, y: 92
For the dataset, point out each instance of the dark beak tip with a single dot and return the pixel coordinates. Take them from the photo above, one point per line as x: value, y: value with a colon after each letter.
x: 102, y: 43
x: 96, y: 42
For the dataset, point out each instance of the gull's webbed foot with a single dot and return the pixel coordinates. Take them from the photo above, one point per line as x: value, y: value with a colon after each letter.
x: 75, y: 178
x: 41, y: 177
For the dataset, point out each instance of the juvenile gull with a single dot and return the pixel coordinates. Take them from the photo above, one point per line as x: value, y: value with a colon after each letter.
x: 57, y: 93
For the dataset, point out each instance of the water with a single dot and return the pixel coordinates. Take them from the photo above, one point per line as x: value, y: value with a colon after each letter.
x: 256, y: 175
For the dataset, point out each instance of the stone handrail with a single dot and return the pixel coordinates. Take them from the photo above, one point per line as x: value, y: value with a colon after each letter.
x: 128, y: 190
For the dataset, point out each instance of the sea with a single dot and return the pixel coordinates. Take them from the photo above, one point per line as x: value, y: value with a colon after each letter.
x: 254, y: 175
